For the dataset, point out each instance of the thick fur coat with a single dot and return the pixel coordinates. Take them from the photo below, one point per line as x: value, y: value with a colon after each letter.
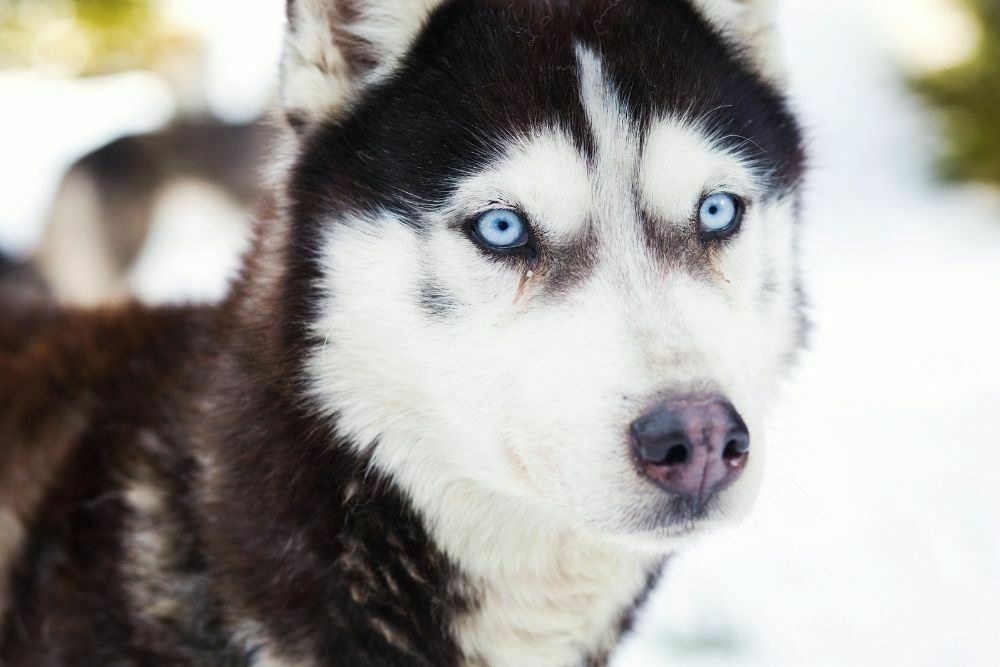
x: 392, y: 445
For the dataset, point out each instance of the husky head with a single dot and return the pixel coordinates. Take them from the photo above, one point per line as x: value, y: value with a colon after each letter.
x: 547, y: 251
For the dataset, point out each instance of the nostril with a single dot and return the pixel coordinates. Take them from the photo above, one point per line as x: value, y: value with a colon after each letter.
x: 659, y: 446
x: 677, y: 455
x: 737, y: 447
x: 664, y: 452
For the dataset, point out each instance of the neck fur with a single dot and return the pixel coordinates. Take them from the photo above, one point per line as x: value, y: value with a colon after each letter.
x: 546, y: 593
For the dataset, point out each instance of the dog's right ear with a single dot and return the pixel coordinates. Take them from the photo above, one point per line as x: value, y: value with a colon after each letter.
x: 333, y: 47
x: 751, y: 24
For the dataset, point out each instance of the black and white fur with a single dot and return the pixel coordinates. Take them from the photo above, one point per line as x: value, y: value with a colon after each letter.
x: 388, y: 447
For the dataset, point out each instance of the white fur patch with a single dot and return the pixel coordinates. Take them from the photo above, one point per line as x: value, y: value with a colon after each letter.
x: 150, y: 559
x: 319, y: 78
x: 617, y: 141
x: 680, y: 165
x: 252, y: 637
x: 568, y: 603
x: 750, y: 24
x: 543, y: 175
x: 390, y: 26
x: 316, y: 77
x: 266, y: 658
x: 158, y: 588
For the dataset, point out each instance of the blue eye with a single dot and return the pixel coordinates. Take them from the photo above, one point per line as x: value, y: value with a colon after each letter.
x: 502, y: 229
x: 720, y: 214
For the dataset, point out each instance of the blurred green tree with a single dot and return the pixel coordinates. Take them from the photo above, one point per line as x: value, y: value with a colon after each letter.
x: 83, y: 37
x: 968, y: 99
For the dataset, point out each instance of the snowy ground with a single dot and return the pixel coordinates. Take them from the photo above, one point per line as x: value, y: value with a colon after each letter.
x: 875, y: 541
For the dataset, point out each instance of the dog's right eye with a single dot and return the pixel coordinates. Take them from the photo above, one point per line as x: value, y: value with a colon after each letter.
x: 720, y: 214
x: 501, y: 229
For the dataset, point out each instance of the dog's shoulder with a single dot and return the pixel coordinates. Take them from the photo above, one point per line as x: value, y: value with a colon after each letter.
x: 63, y: 369
x: 87, y: 406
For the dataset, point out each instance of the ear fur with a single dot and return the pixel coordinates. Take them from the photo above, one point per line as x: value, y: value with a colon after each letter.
x: 751, y: 24
x: 333, y: 48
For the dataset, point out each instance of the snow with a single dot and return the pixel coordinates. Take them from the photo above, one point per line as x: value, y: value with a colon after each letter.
x: 875, y: 539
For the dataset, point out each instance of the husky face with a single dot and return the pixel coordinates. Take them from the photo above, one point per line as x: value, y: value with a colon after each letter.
x: 513, y: 206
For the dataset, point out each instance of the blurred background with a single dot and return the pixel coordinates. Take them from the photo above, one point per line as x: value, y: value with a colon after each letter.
x: 132, y: 134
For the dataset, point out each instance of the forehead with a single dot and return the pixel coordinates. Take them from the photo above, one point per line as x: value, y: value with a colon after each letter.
x: 485, y: 74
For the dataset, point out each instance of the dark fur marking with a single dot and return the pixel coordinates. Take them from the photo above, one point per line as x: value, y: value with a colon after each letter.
x: 628, y: 618
x: 678, y: 246
x: 436, y: 300
x: 20, y: 281
x: 568, y: 267
x: 769, y: 287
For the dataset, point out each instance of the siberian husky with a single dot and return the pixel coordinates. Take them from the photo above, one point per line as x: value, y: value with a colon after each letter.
x: 521, y: 291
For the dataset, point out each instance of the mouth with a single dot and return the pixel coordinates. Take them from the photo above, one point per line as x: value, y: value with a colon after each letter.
x: 682, y: 516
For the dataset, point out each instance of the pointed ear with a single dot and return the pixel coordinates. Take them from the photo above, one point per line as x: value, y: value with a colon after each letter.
x: 333, y: 47
x: 751, y: 24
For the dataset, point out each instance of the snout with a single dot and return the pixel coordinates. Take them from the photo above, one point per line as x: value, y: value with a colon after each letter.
x: 692, y: 446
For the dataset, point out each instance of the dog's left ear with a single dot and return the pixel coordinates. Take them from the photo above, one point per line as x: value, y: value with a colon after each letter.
x: 334, y: 47
x: 751, y: 24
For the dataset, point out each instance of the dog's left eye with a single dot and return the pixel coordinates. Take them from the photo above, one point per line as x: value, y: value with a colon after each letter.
x: 502, y: 229
x: 720, y: 214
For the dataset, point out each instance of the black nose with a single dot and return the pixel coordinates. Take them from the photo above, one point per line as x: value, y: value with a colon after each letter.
x: 692, y: 446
